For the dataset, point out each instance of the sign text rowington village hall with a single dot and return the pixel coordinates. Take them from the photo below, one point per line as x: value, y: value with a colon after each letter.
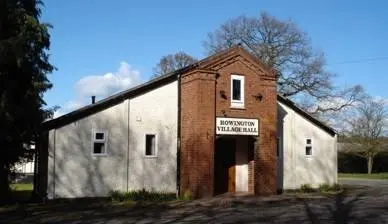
x: 237, y: 126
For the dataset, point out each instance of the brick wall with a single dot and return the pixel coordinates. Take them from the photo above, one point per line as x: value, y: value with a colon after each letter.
x: 264, y: 165
x: 197, y: 131
x: 201, y: 102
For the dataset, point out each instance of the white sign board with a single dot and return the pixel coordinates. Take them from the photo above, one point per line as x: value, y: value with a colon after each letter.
x: 237, y: 126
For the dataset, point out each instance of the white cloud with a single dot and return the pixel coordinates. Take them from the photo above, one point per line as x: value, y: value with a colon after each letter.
x: 109, y: 83
x: 100, y: 86
x: 58, y: 113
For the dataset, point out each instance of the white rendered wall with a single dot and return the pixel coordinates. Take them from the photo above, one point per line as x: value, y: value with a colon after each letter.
x: 155, y: 112
x: 74, y: 172
x: 294, y: 166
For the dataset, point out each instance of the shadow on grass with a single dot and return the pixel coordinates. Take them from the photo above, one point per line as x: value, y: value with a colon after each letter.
x: 21, y: 196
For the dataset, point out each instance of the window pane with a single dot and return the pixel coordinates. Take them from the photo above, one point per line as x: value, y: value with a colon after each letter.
x: 236, y: 89
x: 100, y: 136
x: 308, y: 141
x: 99, y: 148
x: 309, y: 150
x: 150, y: 145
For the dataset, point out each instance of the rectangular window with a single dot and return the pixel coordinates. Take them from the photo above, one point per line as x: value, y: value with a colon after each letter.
x: 309, y: 147
x: 150, y: 145
x: 237, y: 91
x: 100, y: 142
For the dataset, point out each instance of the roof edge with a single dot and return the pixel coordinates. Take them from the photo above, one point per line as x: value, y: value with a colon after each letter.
x: 305, y: 114
x: 110, y: 101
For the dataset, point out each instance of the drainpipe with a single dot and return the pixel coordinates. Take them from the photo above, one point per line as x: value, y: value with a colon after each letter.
x: 54, y: 145
x: 128, y: 139
x: 178, y: 155
x: 215, y: 131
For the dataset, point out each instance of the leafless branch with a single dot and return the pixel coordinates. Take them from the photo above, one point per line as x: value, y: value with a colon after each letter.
x: 173, y: 62
x: 283, y: 46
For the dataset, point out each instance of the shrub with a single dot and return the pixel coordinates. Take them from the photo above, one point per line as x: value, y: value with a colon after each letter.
x: 306, y: 188
x: 324, y: 187
x: 116, y: 196
x: 141, y: 195
x: 335, y: 187
x: 186, y: 196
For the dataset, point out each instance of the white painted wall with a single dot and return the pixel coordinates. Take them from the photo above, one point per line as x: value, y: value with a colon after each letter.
x: 294, y: 167
x: 25, y: 167
x: 74, y: 172
x: 154, y: 113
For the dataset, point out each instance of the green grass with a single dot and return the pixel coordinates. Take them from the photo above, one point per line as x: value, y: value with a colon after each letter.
x: 382, y: 176
x: 21, y: 192
x: 21, y: 187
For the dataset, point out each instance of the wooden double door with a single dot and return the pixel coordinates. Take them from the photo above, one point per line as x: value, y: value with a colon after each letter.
x: 225, y: 165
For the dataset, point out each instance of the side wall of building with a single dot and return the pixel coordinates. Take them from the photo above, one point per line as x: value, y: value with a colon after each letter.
x: 154, y: 113
x: 295, y: 167
x: 74, y: 172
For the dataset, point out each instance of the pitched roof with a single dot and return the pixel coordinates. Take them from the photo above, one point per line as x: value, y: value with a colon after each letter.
x: 306, y: 115
x: 163, y: 80
x: 145, y: 87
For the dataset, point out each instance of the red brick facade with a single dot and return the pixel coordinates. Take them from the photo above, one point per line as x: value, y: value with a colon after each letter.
x: 202, y: 102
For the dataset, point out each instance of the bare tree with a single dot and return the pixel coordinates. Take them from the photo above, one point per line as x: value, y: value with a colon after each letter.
x: 367, y: 128
x: 283, y: 46
x: 172, y: 62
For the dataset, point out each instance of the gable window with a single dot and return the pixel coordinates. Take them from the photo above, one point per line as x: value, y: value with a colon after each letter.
x: 309, y: 147
x: 99, y: 142
x: 150, y: 144
x: 237, y: 91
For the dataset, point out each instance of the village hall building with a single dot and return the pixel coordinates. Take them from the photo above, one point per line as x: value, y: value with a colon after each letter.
x: 212, y: 127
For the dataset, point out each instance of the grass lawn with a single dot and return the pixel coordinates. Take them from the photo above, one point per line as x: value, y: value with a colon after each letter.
x: 364, y: 175
x: 21, y: 187
x: 21, y: 192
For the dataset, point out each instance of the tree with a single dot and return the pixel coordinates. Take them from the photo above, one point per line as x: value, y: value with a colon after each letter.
x: 24, y: 66
x: 172, y: 62
x: 283, y: 46
x: 365, y: 136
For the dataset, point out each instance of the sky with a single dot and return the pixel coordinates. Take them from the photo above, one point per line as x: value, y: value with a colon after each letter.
x: 102, y: 47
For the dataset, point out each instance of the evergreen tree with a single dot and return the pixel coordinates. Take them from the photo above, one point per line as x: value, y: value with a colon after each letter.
x: 24, y: 65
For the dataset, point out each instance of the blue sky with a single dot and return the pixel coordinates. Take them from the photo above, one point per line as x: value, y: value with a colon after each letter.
x: 103, y: 46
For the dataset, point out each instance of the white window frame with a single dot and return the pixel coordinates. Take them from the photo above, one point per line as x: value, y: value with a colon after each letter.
x: 309, y: 145
x: 105, y: 141
x: 237, y: 103
x: 156, y: 145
